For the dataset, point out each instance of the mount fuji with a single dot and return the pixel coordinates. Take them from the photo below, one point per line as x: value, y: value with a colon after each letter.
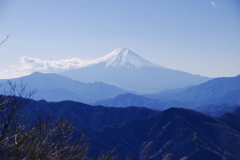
x: 126, y: 69
x: 123, y: 58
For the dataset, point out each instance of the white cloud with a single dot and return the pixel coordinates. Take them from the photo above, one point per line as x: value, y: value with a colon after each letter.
x: 36, y: 64
x: 214, y: 4
x: 28, y: 65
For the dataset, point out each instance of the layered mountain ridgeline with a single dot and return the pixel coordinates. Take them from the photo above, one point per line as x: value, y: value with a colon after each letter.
x: 208, y: 97
x: 213, y: 91
x: 216, y: 110
x: 142, y: 133
x: 129, y: 99
x: 214, y: 97
x: 172, y: 134
x: 53, y: 87
x: 84, y: 115
x: 130, y: 71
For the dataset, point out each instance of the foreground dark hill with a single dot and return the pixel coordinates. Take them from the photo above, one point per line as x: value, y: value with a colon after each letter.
x: 94, y: 117
x: 236, y: 110
x: 143, y: 133
x: 130, y: 71
x: 173, y: 134
x: 53, y: 87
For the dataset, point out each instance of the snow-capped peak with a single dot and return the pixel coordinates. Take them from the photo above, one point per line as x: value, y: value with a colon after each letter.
x: 124, y: 57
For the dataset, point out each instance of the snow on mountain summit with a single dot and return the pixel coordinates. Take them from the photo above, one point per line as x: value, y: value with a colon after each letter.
x: 124, y: 57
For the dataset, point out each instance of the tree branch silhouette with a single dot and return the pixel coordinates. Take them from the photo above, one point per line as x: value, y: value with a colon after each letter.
x: 5, y: 39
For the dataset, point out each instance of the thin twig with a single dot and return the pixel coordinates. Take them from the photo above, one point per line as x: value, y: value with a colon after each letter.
x: 5, y: 39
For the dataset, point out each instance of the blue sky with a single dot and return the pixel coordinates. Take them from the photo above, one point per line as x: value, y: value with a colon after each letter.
x: 200, y: 37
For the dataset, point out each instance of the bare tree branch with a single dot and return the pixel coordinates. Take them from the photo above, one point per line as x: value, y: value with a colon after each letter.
x: 5, y: 39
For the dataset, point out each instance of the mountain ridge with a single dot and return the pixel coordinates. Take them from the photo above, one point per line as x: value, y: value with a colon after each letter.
x: 54, y: 87
x: 211, y: 91
x: 175, y: 133
x: 130, y: 99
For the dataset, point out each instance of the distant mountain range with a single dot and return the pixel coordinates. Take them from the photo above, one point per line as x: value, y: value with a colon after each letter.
x: 128, y: 70
x: 216, y: 110
x: 129, y: 99
x: 210, y: 96
x: 212, y: 89
x: 53, y: 87
x: 218, y: 90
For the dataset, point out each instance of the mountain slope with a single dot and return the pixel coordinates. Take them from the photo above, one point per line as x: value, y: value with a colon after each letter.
x: 53, y: 87
x: 94, y: 117
x: 216, y: 110
x: 126, y: 69
x: 129, y: 99
x: 173, y: 134
x: 218, y: 90
x: 230, y: 98
x: 212, y: 89
x: 236, y: 110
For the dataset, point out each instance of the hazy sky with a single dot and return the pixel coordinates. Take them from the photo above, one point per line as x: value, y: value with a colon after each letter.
x: 197, y: 36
